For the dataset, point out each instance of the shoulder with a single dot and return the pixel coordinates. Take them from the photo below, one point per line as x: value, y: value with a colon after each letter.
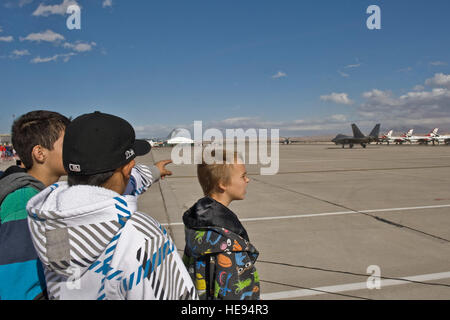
x: 147, y: 226
x: 14, y: 205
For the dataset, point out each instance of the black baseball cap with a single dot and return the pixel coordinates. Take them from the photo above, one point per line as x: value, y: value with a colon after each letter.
x: 99, y: 142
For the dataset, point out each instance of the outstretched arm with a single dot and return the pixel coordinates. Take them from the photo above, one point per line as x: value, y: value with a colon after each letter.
x: 142, y: 177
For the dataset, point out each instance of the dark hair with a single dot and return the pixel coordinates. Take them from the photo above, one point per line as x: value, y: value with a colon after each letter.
x: 36, y: 128
x: 91, y: 180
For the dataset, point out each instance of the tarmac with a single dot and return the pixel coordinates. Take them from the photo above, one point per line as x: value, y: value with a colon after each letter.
x: 332, y: 217
x: 334, y: 223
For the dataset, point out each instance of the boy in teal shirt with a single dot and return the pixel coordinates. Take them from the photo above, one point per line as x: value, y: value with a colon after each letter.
x: 37, y: 138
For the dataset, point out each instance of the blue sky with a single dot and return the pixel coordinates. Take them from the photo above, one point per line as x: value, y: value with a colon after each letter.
x: 305, y: 67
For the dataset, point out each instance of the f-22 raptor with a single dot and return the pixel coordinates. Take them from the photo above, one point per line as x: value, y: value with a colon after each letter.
x: 358, y: 137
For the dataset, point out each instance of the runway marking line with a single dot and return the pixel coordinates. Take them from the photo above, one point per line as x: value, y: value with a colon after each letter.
x: 329, y: 214
x: 351, y: 287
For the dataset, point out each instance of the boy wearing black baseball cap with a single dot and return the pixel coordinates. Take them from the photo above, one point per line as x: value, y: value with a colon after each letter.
x: 90, y: 237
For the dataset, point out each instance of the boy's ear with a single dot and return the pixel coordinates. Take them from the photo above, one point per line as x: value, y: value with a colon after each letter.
x: 39, y: 154
x: 221, y: 187
x: 126, y: 169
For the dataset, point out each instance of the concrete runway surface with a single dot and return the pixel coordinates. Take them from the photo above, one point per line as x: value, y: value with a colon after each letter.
x: 332, y: 217
x: 332, y: 213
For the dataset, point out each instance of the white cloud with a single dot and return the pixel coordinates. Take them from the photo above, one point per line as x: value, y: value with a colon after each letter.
x: 16, y: 3
x: 46, y: 10
x: 107, y: 3
x: 341, y: 98
x: 43, y: 60
x: 279, y: 74
x: 357, y: 65
x: 237, y: 120
x: 343, y: 74
x: 439, y: 80
x: 24, y: 2
x: 20, y: 53
x: 47, y: 35
x: 6, y: 39
x: 79, y: 46
x: 380, y: 97
x: 418, y: 107
x: 438, y: 63
x: 426, y: 96
x: 64, y: 57
x: 339, y: 117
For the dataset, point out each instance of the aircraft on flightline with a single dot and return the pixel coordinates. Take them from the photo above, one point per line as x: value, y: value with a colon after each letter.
x: 442, y: 139
x: 358, y: 137
x: 288, y: 141
x: 385, y: 137
x: 389, y: 138
x: 424, y: 139
x: 178, y: 136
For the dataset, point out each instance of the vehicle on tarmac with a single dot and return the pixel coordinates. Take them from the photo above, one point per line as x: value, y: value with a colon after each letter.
x: 385, y: 137
x: 424, y: 139
x: 442, y: 139
x: 288, y: 141
x: 358, y: 137
x: 389, y: 138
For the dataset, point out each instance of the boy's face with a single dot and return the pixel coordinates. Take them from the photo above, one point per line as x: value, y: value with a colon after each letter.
x: 237, y: 188
x: 55, y: 160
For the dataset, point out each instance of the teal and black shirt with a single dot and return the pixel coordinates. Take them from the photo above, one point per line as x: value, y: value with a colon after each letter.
x: 21, y: 273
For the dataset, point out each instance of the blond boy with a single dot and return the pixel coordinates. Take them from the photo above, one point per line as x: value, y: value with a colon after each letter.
x: 218, y: 252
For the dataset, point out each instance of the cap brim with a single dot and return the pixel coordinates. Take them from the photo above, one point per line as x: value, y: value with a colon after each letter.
x: 141, y: 147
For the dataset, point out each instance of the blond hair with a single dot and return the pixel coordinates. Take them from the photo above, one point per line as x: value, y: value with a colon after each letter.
x: 210, y: 174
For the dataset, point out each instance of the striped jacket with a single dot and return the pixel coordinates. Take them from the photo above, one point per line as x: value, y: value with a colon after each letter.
x: 94, y: 244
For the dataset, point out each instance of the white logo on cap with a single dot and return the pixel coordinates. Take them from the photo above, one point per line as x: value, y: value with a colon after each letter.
x: 74, y: 167
x: 129, y: 154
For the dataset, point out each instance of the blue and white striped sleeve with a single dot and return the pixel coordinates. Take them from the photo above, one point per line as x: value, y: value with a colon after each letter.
x: 142, y: 177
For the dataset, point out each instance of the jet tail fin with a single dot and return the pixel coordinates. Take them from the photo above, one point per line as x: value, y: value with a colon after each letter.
x: 356, y: 132
x: 375, y: 132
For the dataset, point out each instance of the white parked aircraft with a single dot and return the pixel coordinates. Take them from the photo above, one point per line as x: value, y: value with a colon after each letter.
x: 179, y: 136
x: 424, y: 139
x: 389, y: 138
x: 153, y: 143
x: 385, y: 137
x: 442, y: 139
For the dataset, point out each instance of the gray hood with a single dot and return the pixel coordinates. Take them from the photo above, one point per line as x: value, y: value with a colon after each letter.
x: 16, y: 181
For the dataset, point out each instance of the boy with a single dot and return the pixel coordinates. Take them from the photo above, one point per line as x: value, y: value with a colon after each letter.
x: 93, y: 242
x: 218, y: 254
x: 37, y: 137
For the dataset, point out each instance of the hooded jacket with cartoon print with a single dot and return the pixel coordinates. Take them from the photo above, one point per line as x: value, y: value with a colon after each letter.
x: 218, y: 254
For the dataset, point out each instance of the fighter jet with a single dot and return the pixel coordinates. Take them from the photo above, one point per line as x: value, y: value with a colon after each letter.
x: 389, y: 138
x: 424, y: 139
x: 442, y: 139
x: 288, y: 141
x: 386, y: 137
x: 358, y: 137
